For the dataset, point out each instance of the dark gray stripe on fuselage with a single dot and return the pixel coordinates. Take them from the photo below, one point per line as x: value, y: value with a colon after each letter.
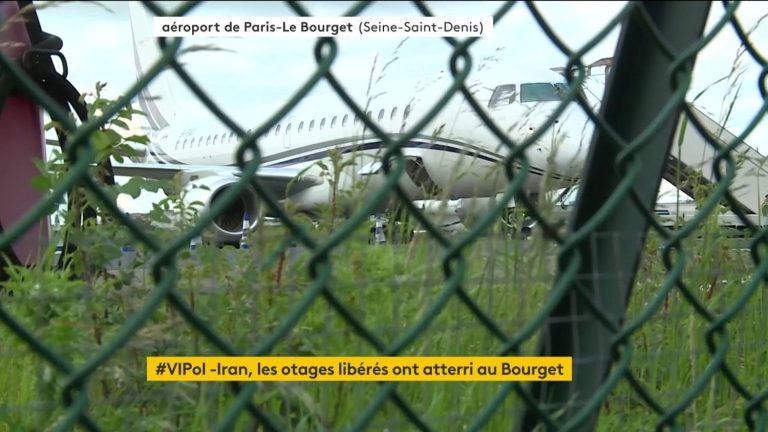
x: 362, y: 140
x: 156, y: 158
x: 321, y: 150
x: 378, y: 145
x: 412, y: 144
x: 160, y: 153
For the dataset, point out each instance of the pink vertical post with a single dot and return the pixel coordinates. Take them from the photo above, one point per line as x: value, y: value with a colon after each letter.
x: 22, y: 140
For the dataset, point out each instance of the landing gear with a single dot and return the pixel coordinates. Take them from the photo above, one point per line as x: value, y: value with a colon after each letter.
x: 379, y: 234
x: 514, y: 224
x: 390, y: 232
x: 392, y: 227
x: 527, y: 230
x: 400, y: 235
x: 509, y: 220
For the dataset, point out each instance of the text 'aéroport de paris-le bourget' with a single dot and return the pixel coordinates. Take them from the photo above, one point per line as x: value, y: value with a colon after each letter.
x: 324, y: 26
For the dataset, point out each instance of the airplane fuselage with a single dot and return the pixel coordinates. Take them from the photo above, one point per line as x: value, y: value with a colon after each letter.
x: 454, y: 156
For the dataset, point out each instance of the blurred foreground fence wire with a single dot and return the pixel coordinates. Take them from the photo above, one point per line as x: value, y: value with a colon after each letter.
x: 584, y: 315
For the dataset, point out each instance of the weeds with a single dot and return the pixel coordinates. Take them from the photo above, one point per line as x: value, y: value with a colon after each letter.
x: 388, y: 289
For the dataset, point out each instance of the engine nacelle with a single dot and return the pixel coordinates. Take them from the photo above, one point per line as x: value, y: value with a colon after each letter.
x: 227, y: 227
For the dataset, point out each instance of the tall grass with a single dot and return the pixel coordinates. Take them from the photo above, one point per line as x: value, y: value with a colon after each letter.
x: 388, y: 288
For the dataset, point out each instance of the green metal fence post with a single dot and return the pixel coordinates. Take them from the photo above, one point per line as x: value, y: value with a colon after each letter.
x: 636, y: 92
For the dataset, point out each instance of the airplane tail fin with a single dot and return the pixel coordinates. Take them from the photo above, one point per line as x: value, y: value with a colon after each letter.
x: 156, y: 99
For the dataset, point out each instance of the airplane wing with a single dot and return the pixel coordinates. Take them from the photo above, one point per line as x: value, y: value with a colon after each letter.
x: 276, y: 180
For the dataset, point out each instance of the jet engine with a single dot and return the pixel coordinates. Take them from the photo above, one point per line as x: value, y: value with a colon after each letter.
x: 204, y: 192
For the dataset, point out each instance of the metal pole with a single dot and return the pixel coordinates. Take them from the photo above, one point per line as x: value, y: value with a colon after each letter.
x: 637, y: 90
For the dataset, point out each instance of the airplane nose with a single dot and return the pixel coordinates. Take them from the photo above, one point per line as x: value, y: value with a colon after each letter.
x: 572, y: 159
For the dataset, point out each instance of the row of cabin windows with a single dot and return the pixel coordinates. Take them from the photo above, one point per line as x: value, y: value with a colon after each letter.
x: 216, y: 139
x: 210, y: 140
x: 344, y: 121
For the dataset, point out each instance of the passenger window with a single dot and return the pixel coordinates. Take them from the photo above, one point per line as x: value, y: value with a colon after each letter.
x: 407, y: 111
x: 208, y: 141
x: 288, y: 129
x: 356, y: 120
x: 381, y: 115
x: 215, y: 139
x: 394, y: 113
x: 322, y: 123
x: 311, y: 125
x: 301, y: 126
x: 333, y: 121
x: 368, y: 114
x: 344, y: 120
x: 277, y: 129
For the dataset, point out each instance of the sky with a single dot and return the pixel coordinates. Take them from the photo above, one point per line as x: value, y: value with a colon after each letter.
x: 252, y: 76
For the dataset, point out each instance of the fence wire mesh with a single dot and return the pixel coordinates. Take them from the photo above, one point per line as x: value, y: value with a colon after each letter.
x: 687, y: 346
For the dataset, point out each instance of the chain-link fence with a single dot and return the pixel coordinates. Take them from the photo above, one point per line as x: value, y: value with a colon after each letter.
x: 666, y: 327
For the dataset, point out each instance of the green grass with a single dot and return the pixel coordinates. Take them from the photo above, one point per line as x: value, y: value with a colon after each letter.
x: 388, y: 288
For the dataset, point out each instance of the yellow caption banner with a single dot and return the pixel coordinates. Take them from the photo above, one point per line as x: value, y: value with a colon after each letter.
x: 359, y: 368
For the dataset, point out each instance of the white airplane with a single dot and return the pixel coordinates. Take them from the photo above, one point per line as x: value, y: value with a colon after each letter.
x: 456, y: 154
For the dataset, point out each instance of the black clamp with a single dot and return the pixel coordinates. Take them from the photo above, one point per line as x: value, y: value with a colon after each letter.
x: 37, y: 62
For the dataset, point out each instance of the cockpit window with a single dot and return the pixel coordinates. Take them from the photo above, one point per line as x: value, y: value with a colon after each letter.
x: 503, y: 95
x: 542, y: 92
